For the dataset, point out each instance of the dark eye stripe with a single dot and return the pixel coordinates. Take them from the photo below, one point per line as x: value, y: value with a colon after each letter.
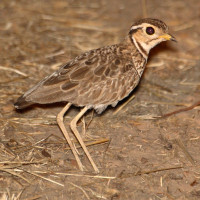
x: 150, y: 30
x: 134, y: 30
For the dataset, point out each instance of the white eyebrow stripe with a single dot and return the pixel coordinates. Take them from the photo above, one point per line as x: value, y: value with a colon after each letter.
x: 136, y: 27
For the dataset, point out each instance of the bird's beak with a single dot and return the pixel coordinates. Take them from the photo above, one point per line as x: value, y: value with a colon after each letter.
x: 168, y: 37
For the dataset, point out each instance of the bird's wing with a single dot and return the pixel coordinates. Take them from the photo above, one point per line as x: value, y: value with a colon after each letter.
x: 94, y: 77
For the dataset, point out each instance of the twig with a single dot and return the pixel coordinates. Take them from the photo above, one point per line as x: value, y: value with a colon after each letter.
x: 84, y: 175
x: 139, y: 173
x: 47, y: 179
x: 15, y: 174
x: 90, y: 119
x: 84, y: 192
x: 100, y: 141
x: 158, y: 170
x: 185, y: 151
x: 13, y: 70
x: 124, y: 104
x: 21, y: 163
x: 181, y: 110
x: 99, y: 196
x: 55, y: 54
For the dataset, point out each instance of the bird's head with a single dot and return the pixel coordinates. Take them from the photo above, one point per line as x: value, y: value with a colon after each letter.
x: 147, y: 33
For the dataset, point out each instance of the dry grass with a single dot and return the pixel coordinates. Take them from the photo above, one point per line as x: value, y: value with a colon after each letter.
x: 140, y: 154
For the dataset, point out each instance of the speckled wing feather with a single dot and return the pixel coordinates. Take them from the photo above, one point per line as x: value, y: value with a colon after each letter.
x: 97, y: 78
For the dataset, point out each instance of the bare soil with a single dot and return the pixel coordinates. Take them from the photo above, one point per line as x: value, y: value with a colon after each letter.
x: 140, y: 154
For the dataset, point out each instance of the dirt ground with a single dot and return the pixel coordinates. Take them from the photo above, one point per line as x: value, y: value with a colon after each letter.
x: 141, y: 152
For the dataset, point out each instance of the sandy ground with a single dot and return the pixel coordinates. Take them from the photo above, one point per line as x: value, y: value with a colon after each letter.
x: 140, y: 154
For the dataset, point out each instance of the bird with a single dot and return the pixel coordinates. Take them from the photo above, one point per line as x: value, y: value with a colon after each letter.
x: 98, y: 78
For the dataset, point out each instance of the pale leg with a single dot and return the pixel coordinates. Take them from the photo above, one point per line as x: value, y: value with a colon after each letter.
x: 73, y: 126
x: 65, y: 133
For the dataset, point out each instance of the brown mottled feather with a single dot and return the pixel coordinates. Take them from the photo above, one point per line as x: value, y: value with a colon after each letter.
x: 97, y: 78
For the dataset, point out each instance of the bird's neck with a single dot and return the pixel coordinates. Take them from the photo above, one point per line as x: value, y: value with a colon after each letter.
x: 138, y: 58
x: 141, y: 47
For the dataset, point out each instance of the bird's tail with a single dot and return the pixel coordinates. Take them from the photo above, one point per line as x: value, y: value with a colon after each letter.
x: 22, y: 103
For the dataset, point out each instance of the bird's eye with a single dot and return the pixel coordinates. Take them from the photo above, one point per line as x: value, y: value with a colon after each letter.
x: 150, y: 30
